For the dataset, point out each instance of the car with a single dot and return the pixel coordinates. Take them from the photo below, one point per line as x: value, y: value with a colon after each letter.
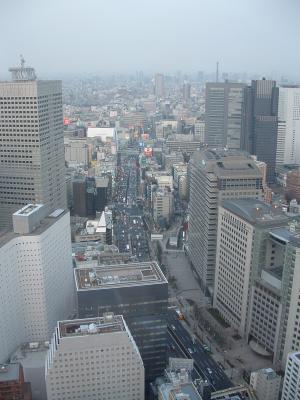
x: 190, y: 350
x: 173, y: 327
x: 209, y: 370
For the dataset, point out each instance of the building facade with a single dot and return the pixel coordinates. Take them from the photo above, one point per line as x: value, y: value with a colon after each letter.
x: 260, y: 123
x: 36, y: 278
x: 215, y: 176
x: 266, y: 384
x: 288, y: 139
x: 140, y: 293
x: 94, y: 358
x: 223, y: 114
x: 291, y: 383
x: 32, y: 163
x: 12, y: 384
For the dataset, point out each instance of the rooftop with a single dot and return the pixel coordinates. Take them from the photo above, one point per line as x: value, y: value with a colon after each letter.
x: 9, y: 372
x: 109, y: 323
x: 256, y: 212
x: 43, y: 225
x: 134, y: 274
x: 28, y: 209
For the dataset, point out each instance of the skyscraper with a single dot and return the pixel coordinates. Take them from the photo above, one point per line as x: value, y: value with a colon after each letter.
x: 215, y: 175
x: 36, y: 277
x: 140, y: 293
x: 159, y: 85
x: 259, y: 123
x: 223, y: 114
x: 94, y: 358
x: 288, y: 140
x: 31, y: 143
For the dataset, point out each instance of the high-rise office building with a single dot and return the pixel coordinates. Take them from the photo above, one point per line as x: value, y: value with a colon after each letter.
x: 258, y: 276
x: 32, y: 163
x: 159, y: 85
x: 223, y: 114
x: 291, y: 383
x: 292, y: 189
x: 288, y: 139
x: 239, y: 222
x: 259, y: 123
x: 94, y: 358
x: 137, y: 291
x: 36, y: 277
x: 215, y: 175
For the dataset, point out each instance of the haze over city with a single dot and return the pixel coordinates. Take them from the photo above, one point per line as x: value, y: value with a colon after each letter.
x: 61, y: 38
x: 149, y: 200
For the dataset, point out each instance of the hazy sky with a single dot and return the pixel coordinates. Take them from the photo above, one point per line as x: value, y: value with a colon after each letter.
x: 58, y: 37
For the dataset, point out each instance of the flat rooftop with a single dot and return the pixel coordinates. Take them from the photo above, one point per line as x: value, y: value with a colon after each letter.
x: 91, y: 326
x: 44, y: 224
x: 256, y: 212
x: 9, y: 372
x: 28, y: 209
x: 121, y: 275
x: 284, y: 234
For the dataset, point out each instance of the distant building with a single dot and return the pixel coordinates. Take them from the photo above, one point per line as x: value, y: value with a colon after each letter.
x: 266, y: 384
x: 140, y: 292
x: 94, y: 358
x: 200, y: 131
x: 159, y: 85
x: 76, y: 152
x: 32, y: 164
x: 215, y: 176
x: 292, y: 190
x: 102, y: 133
x: 12, y: 385
x: 99, y: 230
x: 182, y: 143
x: 162, y: 205
x: 223, y: 114
x: 288, y: 139
x: 37, y: 287
x: 291, y: 383
x: 186, y: 91
x: 259, y: 124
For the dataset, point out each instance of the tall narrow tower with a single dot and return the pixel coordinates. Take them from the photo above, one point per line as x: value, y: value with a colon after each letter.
x: 31, y: 143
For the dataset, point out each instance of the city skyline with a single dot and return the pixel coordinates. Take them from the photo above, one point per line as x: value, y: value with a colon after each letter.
x: 99, y: 37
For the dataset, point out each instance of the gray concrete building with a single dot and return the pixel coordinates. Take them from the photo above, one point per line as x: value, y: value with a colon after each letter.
x: 215, y: 175
x: 138, y: 291
x: 223, y: 114
x: 259, y: 123
x: 258, y: 276
x: 32, y: 165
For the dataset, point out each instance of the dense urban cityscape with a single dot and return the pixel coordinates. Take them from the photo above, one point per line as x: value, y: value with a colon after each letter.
x: 149, y: 236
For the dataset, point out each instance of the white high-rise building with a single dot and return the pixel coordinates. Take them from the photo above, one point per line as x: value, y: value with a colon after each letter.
x: 288, y: 138
x: 32, y: 164
x: 291, y: 383
x: 94, y: 358
x: 36, y: 277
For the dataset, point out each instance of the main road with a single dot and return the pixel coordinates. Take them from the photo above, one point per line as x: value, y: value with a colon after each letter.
x: 203, y: 362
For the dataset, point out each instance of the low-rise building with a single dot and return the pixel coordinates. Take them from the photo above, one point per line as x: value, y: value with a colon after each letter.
x: 266, y: 384
x: 12, y: 385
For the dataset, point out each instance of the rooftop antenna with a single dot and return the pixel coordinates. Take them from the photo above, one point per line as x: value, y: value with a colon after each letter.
x: 217, y: 72
x: 22, y: 73
x: 22, y: 61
